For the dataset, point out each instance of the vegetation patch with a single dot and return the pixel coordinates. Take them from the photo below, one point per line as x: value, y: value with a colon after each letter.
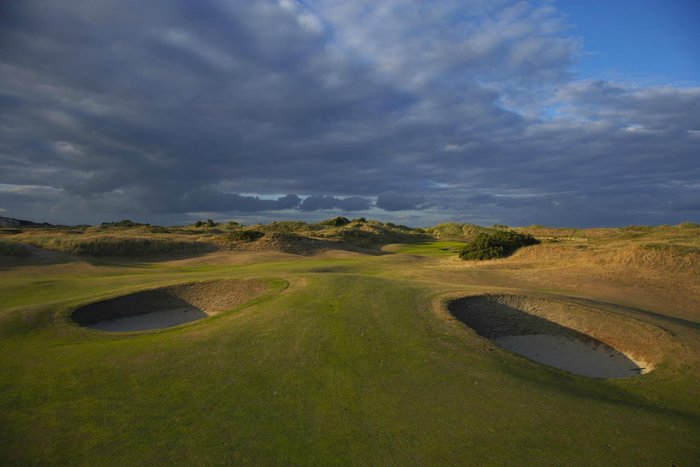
x: 336, y: 221
x: 245, y: 235
x: 126, y: 223
x: 496, y: 244
x: 13, y: 249
x: 671, y: 248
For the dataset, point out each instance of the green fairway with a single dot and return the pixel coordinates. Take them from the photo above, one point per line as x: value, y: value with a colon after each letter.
x: 440, y: 248
x: 344, y: 360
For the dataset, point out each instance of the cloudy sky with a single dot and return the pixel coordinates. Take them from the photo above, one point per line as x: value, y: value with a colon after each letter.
x: 576, y: 112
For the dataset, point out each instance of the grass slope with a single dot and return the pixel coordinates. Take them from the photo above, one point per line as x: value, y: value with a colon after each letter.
x: 346, y: 360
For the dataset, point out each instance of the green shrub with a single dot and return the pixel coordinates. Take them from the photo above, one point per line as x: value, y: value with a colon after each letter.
x: 336, y: 221
x: 245, y: 235
x: 498, y: 244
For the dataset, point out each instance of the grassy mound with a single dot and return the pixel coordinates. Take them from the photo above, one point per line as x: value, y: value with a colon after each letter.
x: 108, y: 245
x: 454, y: 230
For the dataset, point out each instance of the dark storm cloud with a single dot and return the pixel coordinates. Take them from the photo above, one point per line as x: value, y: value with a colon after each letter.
x: 393, y: 201
x: 461, y: 109
x: 209, y: 200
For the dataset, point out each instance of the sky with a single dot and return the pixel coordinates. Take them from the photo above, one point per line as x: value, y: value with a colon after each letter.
x: 562, y: 113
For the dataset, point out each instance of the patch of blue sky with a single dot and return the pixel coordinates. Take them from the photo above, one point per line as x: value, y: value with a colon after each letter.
x: 647, y: 41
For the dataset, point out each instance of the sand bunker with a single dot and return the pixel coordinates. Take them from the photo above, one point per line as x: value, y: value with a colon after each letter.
x: 572, y: 337
x: 167, y: 306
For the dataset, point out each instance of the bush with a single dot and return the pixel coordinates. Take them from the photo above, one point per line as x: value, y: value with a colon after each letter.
x: 336, y: 221
x: 498, y: 244
x: 245, y: 235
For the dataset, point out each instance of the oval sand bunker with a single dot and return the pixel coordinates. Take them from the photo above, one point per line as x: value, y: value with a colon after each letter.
x: 573, y: 338
x: 167, y: 306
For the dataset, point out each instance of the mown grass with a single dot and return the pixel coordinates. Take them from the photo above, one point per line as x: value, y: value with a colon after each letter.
x: 350, y: 365
x: 435, y: 249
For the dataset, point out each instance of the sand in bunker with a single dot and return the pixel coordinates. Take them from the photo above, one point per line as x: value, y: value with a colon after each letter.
x: 528, y: 326
x: 585, y: 358
x: 167, y: 306
x: 154, y: 320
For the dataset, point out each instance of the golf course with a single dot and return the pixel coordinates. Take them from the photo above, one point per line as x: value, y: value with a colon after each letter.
x: 347, y: 355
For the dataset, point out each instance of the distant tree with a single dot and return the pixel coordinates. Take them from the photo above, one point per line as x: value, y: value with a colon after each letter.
x: 199, y: 223
x: 211, y: 223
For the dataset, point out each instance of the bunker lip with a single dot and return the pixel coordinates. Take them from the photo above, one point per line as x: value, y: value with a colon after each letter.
x: 167, y: 306
x: 576, y: 338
